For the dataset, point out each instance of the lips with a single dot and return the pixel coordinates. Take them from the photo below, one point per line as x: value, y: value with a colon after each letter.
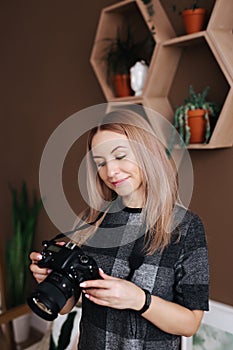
x: 119, y: 182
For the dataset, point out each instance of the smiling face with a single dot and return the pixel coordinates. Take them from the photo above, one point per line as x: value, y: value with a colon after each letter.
x: 117, y: 166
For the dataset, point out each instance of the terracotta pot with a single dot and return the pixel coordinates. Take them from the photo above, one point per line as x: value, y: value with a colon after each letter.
x: 121, y: 84
x: 193, y: 20
x: 197, y: 124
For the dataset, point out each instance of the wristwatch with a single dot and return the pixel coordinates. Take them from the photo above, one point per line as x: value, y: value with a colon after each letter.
x: 147, y: 302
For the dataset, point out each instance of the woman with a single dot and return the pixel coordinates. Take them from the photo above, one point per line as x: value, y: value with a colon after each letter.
x: 155, y: 283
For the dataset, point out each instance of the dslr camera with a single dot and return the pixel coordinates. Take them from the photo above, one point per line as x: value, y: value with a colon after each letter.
x: 70, y: 266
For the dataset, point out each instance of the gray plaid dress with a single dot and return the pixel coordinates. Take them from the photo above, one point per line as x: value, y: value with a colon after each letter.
x: 180, y: 274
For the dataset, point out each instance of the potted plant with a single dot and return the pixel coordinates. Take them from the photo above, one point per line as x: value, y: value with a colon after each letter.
x: 193, y: 17
x: 121, y: 54
x: 193, y: 119
x: 18, y: 247
x: 65, y: 330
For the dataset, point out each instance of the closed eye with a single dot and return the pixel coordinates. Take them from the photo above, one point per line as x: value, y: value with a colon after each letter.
x: 121, y: 157
x: 101, y: 164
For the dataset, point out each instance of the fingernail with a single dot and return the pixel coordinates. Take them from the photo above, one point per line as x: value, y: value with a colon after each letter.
x: 101, y: 270
x: 83, y: 284
x: 87, y: 296
x: 49, y: 271
x: 39, y: 256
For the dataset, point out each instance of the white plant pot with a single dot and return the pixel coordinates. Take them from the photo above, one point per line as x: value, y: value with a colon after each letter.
x: 21, y: 327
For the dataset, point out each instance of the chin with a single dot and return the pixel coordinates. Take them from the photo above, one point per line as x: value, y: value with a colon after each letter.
x: 123, y: 193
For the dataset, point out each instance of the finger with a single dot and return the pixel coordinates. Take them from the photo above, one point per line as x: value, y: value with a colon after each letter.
x: 104, y: 275
x: 107, y: 277
x: 98, y: 293
x: 35, y: 269
x: 95, y: 300
x: 39, y: 277
x: 95, y: 284
x: 60, y: 243
x: 35, y: 256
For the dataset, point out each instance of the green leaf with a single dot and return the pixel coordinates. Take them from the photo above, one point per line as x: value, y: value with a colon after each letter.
x: 52, y: 345
x: 18, y: 247
x: 123, y: 51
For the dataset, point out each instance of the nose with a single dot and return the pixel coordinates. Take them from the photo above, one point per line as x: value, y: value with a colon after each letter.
x: 112, y: 168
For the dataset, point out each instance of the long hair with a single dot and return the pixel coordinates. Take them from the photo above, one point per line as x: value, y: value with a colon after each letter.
x: 159, y: 180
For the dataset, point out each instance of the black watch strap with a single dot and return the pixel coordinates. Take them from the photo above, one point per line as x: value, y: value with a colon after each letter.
x: 147, y: 302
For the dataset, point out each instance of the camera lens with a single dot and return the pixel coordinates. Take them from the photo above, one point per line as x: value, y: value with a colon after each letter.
x: 41, y: 306
x: 47, y: 301
x: 51, y: 295
x: 70, y: 267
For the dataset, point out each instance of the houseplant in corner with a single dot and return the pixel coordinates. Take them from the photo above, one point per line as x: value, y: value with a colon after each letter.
x: 193, y: 119
x: 121, y: 54
x: 18, y: 247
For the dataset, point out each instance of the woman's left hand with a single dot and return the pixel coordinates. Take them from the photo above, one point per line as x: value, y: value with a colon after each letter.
x: 113, y: 292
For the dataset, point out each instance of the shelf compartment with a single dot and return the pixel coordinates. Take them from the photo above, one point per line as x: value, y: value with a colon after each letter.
x: 181, y: 63
x: 200, y: 68
x: 121, y: 15
x: 175, y: 17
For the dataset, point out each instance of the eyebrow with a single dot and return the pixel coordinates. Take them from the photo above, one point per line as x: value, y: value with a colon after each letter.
x: 114, y: 149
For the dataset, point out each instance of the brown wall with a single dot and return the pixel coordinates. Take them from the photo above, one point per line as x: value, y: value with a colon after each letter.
x: 45, y: 78
x: 213, y: 201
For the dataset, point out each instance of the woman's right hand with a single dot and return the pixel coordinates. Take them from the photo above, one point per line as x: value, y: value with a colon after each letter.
x: 39, y: 273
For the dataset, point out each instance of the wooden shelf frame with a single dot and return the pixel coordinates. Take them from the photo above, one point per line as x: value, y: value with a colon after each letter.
x: 134, y: 13
x: 168, y: 77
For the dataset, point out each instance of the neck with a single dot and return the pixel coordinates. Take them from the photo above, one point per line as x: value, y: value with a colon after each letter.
x: 133, y: 201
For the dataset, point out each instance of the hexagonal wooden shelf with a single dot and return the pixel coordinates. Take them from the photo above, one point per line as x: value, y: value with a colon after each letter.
x: 200, y: 59
x: 127, y: 13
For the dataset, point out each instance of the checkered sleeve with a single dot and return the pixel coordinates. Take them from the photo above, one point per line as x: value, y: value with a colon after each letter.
x: 192, y: 268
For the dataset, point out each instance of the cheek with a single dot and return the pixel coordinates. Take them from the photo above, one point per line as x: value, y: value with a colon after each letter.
x: 102, y: 175
x: 135, y: 169
x: 138, y: 175
x: 139, y: 178
x: 130, y: 165
x: 135, y: 172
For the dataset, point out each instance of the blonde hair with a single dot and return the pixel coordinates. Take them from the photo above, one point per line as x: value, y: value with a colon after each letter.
x: 159, y: 178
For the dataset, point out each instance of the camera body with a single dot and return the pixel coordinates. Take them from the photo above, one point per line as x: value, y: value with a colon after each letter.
x: 68, y: 259
x: 70, y: 266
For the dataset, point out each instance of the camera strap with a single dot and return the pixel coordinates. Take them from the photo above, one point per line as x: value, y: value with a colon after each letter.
x: 136, y: 257
x: 82, y: 227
